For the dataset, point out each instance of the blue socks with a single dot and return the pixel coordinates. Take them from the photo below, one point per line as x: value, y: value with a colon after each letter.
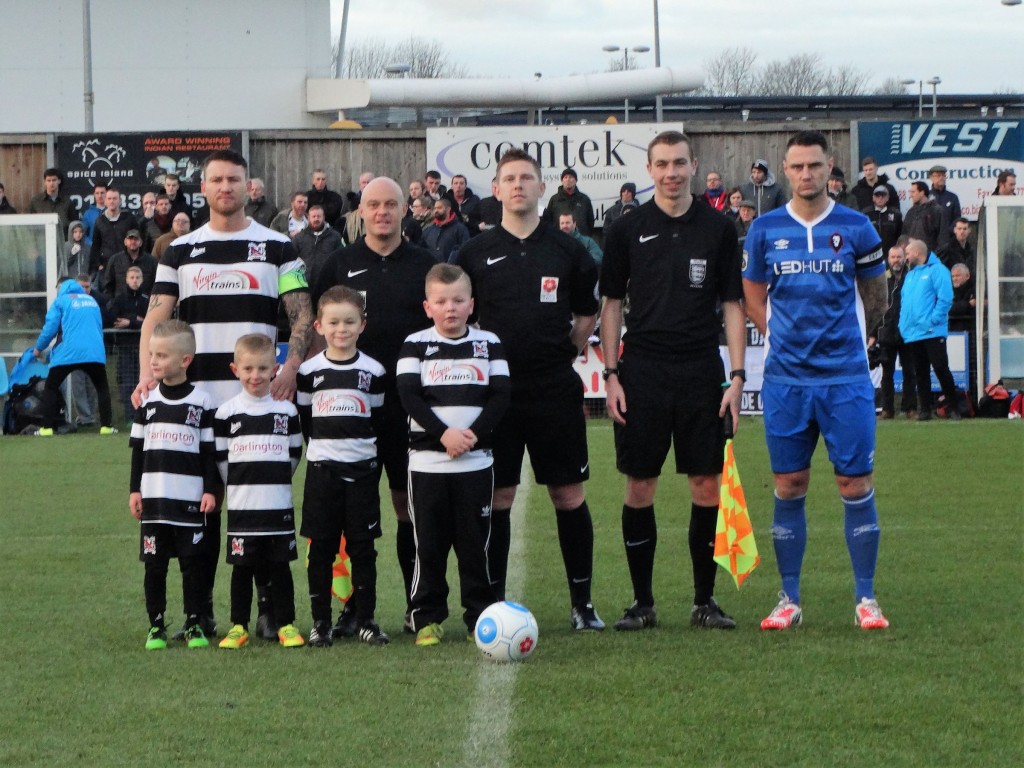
x: 862, y: 542
x: 789, y: 535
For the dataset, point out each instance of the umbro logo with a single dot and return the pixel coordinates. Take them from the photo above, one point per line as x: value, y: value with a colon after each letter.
x: 235, y: 427
x: 782, y: 244
x: 645, y: 238
x: 354, y: 272
x: 317, y: 381
x: 431, y: 349
x: 197, y: 252
x: 150, y: 412
x: 491, y: 261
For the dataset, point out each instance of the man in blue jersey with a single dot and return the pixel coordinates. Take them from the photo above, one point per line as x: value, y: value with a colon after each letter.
x: 804, y: 267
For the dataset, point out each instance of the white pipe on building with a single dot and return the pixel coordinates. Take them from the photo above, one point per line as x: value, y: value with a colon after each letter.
x: 329, y: 95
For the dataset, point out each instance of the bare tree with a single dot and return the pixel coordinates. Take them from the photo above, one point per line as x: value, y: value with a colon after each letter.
x: 800, y: 75
x: 891, y: 86
x: 370, y: 58
x: 731, y: 73
x: 846, y: 80
x: 734, y: 72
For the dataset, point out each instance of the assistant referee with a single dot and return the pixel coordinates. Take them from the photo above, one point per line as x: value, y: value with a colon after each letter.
x: 677, y: 261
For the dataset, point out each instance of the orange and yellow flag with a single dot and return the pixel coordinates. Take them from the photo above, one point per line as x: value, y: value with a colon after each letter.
x: 735, y: 548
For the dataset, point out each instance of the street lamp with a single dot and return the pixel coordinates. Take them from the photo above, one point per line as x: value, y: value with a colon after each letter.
x: 625, y: 64
x: 920, y: 94
x: 934, y: 83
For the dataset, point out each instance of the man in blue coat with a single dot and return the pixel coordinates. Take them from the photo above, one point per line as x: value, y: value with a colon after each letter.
x: 76, y: 321
x: 924, y: 324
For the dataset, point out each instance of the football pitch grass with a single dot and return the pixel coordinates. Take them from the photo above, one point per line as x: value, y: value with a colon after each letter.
x: 941, y: 687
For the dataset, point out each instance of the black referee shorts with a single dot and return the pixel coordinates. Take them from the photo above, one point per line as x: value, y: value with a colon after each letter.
x: 393, y: 441
x: 670, y: 402
x: 333, y: 505
x: 546, y: 418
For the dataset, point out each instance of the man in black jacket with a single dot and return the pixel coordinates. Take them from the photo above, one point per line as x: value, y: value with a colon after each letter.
x: 330, y: 200
x: 51, y: 201
x: 108, y: 234
x: 884, y: 213
x: 887, y: 336
x: 864, y: 189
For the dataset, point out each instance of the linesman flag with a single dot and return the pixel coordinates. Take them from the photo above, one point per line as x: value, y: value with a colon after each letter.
x: 735, y: 548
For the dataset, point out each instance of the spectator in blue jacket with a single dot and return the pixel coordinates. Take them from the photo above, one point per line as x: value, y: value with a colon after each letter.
x: 927, y: 295
x: 76, y: 322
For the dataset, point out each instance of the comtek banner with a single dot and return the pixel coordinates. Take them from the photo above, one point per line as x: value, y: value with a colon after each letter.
x: 604, y: 156
x: 975, y: 152
x: 136, y: 163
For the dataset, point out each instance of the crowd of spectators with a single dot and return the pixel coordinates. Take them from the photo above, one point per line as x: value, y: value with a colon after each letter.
x: 105, y: 242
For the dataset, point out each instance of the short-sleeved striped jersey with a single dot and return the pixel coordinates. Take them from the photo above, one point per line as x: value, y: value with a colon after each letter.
x: 337, y: 402
x: 815, y: 318
x: 461, y: 383
x: 175, y: 437
x: 259, y: 444
x: 228, y: 284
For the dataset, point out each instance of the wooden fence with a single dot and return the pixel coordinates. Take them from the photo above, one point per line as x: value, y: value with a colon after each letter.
x: 286, y: 159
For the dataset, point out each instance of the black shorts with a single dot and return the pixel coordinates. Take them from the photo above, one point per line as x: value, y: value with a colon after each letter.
x: 393, y: 441
x: 332, y: 505
x: 250, y: 551
x: 160, y: 542
x: 670, y: 402
x: 546, y: 418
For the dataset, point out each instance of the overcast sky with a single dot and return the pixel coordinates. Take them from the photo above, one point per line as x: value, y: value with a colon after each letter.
x: 973, y: 45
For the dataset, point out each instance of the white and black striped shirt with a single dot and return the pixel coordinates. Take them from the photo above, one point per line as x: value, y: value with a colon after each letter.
x: 173, y: 462
x: 461, y: 383
x: 227, y: 284
x: 259, y: 444
x: 338, y: 403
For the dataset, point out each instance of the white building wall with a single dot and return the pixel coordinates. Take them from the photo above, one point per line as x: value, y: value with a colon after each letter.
x: 184, y: 65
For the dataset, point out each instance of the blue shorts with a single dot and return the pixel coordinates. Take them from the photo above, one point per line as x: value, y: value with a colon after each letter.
x: 844, y: 414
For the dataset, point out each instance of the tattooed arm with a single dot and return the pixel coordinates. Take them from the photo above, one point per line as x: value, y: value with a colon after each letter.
x: 300, y: 317
x: 160, y: 308
x: 874, y: 295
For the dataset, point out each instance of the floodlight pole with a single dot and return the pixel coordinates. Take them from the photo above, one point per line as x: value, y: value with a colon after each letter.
x: 87, y: 64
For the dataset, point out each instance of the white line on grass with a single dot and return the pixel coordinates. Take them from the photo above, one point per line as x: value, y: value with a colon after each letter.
x: 491, y: 708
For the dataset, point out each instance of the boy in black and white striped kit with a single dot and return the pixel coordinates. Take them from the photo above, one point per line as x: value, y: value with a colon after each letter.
x: 174, y: 482
x: 340, y: 393
x: 259, y: 444
x: 454, y: 384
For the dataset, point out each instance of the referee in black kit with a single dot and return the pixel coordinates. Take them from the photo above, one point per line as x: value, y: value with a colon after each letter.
x: 677, y: 260
x: 535, y: 287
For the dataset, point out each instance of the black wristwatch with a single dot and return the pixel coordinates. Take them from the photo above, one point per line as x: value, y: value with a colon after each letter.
x: 609, y: 372
x: 741, y: 372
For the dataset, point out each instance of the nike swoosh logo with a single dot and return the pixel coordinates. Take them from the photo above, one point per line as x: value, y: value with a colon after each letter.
x: 372, y: 526
x: 636, y: 543
x: 580, y: 581
x: 645, y: 238
x: 491, y: 261
x: 357, y: 272
x: 584, y: 468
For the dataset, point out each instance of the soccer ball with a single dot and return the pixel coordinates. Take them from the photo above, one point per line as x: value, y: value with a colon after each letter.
x: 506, y: 631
